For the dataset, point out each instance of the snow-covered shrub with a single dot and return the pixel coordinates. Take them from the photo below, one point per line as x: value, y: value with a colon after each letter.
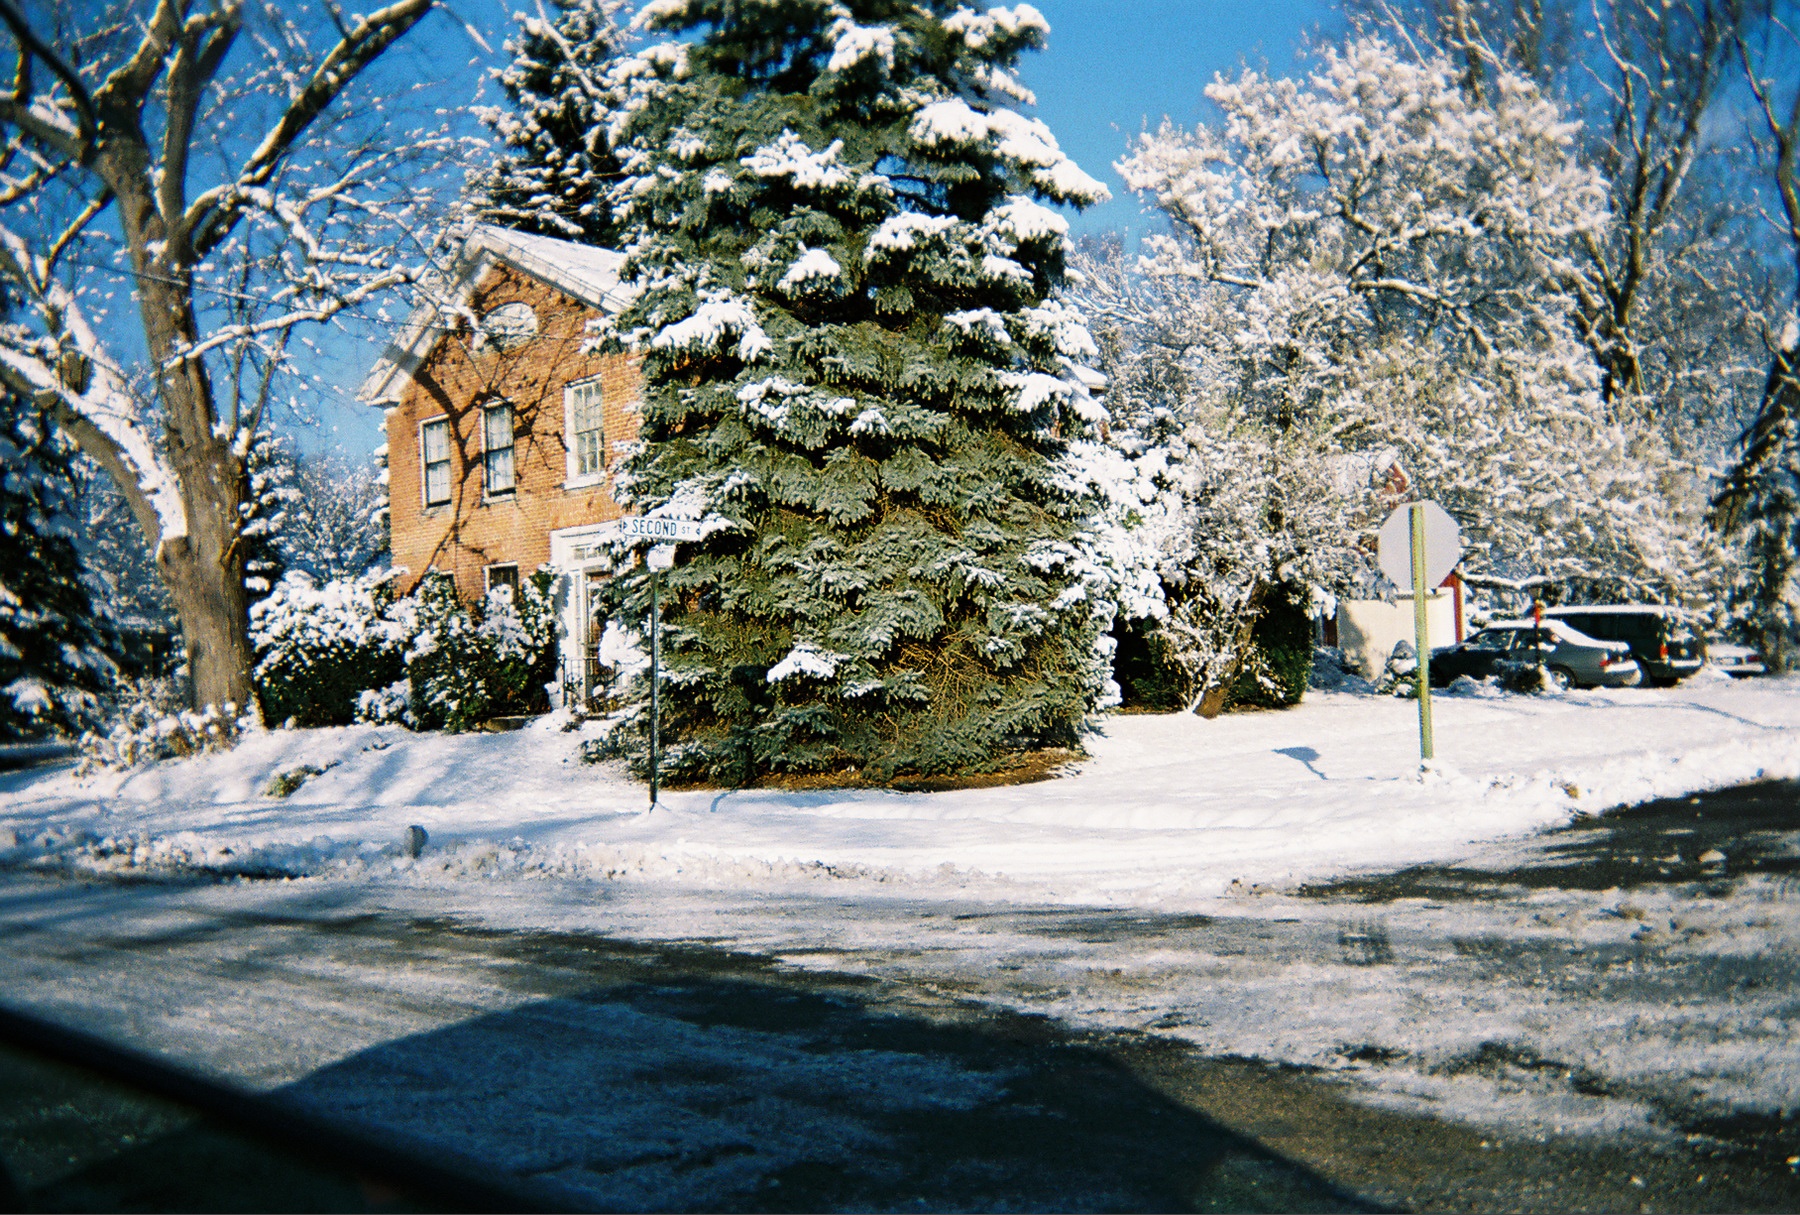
x: 1524, y: 677
x: 151, y: 721
x: 391, y: 705
x: 321, y: 648
x: 348, y: 650
x: 466, y: 666
x: 1274, y: 673
x: 1331, y: 672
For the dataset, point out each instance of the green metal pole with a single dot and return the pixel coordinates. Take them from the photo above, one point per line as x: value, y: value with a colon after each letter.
x: 655, y: 678
x: 1421, y: 628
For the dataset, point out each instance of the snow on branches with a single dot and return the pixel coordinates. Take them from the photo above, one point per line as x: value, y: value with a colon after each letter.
x: 842, y: 243
x: 243, y: 202
x: 1373, y: 255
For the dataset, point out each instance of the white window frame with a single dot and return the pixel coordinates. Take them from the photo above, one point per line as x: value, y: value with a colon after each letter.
x: 487, y: 482
x: 572, y: 455
x: 425, y: 463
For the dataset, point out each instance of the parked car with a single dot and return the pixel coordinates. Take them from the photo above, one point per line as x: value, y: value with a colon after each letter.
x: 1569, y: 657
x: 1737, y: 661
x: 1660, y: 637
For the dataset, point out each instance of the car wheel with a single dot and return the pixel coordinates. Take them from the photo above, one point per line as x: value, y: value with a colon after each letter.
x: 1556, y: 679
x: 1662, y: 681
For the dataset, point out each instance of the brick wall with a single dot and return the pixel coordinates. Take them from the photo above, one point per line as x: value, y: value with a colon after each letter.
x: 474, y: 530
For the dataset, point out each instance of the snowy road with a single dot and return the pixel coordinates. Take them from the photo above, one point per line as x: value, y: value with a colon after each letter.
x: 1604, y: 1018
x: 625, y: 1076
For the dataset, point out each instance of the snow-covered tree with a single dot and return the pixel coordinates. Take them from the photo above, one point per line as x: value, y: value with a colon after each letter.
x: 195, y: 159
x: 1376, y: 255
x: 57, y: 641
x: 116, y: 555
x: 857, y: 379
x: 272, y: 499
x: 339, y: 529
x: 1658, y: 289
x: 1759, y: 500
x: 1237, y: 510
x: 556, y: 168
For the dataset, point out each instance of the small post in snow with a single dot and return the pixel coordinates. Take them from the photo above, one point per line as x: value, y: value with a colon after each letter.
x: 660, y: 558
x: 1421, y: 626
x: 1418, y: 546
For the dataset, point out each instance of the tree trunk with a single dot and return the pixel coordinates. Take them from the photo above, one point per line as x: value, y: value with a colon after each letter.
x: 1212, y: 701
x: 204, y: 572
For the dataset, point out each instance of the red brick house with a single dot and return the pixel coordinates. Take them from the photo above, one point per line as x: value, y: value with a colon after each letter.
x: 502, y: 434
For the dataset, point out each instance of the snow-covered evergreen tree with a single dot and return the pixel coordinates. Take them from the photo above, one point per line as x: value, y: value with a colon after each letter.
x: 271, y: 498
x: 857, y: 378
x: 556, y: 168
x: 1758, y: 502
x: 57, y: 641
x: 338, y: 529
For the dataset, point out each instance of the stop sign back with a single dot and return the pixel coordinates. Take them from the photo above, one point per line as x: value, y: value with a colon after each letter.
x: 1443, y: 545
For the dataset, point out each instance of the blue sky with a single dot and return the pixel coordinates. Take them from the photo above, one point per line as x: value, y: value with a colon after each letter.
x: 1111, y: 67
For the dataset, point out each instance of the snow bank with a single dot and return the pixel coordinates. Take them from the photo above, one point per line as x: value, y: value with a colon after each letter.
x: 1167, y: 810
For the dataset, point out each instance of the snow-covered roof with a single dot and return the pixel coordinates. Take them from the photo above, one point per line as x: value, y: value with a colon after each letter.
x: 1618, y: 609
x: 1563, y: 629
x: 583, y: 272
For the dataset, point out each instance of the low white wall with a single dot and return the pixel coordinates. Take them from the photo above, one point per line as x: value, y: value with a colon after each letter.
x: 1368, y: 628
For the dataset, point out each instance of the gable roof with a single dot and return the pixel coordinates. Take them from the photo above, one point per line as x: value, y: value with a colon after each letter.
x: 582, y: 272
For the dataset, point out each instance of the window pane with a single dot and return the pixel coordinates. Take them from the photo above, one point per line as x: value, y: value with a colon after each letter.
x: 586, y: 406
x: 587, y: 453
x: 437, y: 482
x: 499, y: 432
x: 499, y: 471
x: 585, y: 428
x: 437, y: 441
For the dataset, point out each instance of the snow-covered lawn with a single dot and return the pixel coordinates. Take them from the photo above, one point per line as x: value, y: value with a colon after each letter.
x: 1168, y: 811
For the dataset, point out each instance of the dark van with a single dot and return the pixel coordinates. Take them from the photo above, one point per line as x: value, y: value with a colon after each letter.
x: 1660, y: 638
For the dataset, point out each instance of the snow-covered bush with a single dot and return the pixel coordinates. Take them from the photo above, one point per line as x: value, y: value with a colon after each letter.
x: 321, y: 648
x: 151, y: 721
x: 1280, y: 658
x: 348, y: 650
x: 387, y: 706
x: 466, y: 666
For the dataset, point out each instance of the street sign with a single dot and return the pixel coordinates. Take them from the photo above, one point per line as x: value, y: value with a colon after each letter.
x: 660, y: 558
x: 637, y: 527
x: 1443, y: 545
x: 1420, y: 545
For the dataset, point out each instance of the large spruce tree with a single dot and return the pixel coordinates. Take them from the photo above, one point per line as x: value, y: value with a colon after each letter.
x: 555, y: 168
x: 856, y: 375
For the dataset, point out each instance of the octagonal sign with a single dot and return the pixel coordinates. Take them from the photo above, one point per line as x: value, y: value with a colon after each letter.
x: 1443, y: 545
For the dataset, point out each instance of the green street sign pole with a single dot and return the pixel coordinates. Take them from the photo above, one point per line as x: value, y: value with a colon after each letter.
x: 1421, y: 628
x: 655, y: 677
